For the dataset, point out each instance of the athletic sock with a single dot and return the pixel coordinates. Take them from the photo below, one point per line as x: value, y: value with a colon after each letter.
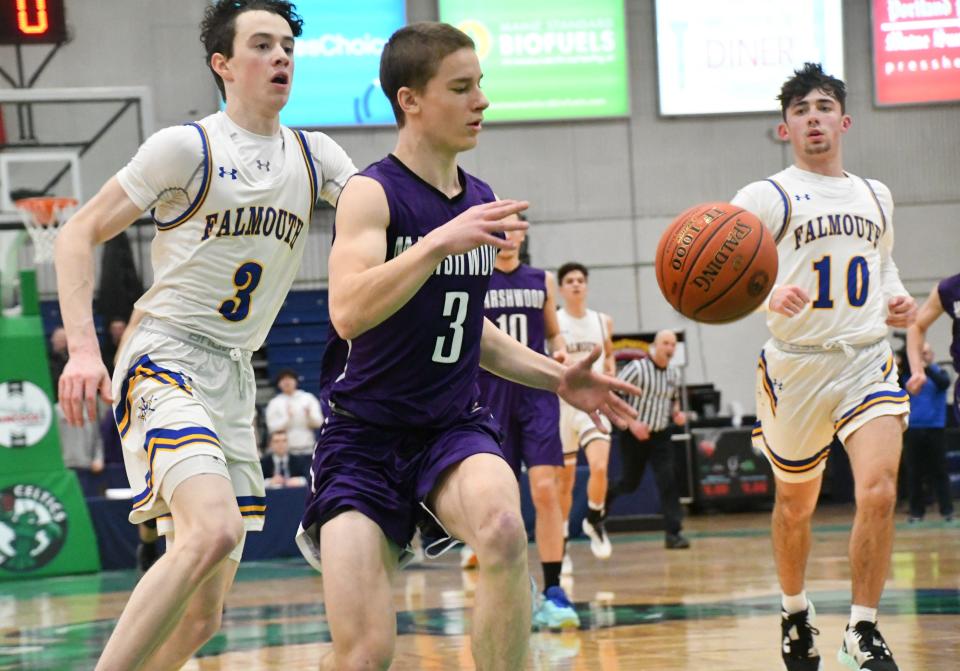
x: 594, y: 512
x: 794, y: 604
x: 862, y: 614
x: 551, y: 574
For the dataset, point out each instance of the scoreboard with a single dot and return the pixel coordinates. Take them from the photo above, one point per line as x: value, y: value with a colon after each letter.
x: 32, y: 22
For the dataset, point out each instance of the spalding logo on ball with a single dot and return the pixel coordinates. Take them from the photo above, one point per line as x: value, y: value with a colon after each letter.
x: 716, y: 263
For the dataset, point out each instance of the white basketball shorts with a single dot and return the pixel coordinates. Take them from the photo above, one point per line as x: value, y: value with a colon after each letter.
x: 184, y: 405
x: 805, y: 398
x: 577, y: 429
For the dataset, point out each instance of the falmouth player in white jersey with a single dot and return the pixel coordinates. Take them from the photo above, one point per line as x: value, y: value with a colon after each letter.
x: 584, y: 330
x: 827, y: 370
x: 232, y: 196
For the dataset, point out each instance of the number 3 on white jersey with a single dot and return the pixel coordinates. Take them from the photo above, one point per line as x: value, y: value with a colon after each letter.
x: 237, y: 307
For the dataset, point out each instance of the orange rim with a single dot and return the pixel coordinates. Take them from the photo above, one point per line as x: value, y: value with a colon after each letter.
x: 43, y: 210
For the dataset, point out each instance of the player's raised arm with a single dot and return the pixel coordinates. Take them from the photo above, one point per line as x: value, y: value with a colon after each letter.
x: 103, y: 217
x: 364, y: 291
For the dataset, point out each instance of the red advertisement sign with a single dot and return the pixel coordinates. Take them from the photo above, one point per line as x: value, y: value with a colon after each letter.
x: 916, y: 51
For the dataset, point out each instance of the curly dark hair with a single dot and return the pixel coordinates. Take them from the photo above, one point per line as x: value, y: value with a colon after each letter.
x: 811, y: 77
x: 219, y: 26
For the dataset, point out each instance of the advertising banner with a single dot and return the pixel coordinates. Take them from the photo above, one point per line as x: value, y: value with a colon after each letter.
x: 916, y: 51
x: 45, y: 528
x: 728, y: 56
x: 547, y: 59
x: 337, y: 59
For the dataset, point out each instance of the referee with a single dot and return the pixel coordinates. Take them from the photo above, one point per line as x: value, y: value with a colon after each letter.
x: 648, y: 436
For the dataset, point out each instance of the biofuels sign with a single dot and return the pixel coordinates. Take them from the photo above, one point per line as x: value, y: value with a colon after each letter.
x: 547, y: 59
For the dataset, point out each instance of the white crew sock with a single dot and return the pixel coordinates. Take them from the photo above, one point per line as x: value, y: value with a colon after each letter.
x: 794, y: 604
x: 862, y: 614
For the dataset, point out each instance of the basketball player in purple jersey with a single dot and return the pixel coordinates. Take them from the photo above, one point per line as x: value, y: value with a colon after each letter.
x: 521, y: 301
x: 944, y: 298
x: 406, y: 439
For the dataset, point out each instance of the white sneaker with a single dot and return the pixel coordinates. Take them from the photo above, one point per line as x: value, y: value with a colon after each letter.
x: 566, y: 566
x: 599, y: 541
x: 864, y: 648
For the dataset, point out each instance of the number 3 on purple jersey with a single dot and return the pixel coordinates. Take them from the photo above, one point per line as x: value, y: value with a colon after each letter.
x: 454, y: 305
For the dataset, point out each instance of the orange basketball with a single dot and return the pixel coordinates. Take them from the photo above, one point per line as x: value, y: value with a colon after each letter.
x: 716, y: 263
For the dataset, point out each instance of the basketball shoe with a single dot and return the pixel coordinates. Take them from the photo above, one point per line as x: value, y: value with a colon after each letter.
x: 599, y: 541
x: 799, y: 647
x: 863, y: 647
x: 555, y: 611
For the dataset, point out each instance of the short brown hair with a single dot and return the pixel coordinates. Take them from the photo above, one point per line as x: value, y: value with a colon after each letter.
x: 570, y: 267
x: 412, y: 55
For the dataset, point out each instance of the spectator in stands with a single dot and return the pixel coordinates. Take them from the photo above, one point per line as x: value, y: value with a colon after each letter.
x: 925, y: 449
x: 82, y: 452
x: 280, y: 468
x: 58, y: 354
x: 295, y: 411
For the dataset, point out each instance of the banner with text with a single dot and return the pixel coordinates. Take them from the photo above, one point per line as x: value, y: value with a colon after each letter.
x: 916, y: 51
x: 337, y: 76
x: 547, y: 59
x: 729, y: 56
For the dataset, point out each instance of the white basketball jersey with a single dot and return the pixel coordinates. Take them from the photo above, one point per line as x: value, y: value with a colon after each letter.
x: 228, y: 247
x: 834, y: 237
x: 582, y: 335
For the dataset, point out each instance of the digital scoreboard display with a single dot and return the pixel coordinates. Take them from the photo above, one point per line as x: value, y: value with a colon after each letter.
x: 32, y: 22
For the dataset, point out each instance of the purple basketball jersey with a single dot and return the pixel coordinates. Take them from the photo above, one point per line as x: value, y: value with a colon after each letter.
x: 529, y: 418
x: 418, y: 368
x: 949, y: 291
x: 515, y: 301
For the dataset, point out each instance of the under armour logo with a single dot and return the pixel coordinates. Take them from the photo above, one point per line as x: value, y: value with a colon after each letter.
x: 265, y: 165
x: 802, y: 196
x: 232, y: 172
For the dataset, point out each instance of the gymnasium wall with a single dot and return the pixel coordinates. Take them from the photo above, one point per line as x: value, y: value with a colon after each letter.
x: 601, y: 191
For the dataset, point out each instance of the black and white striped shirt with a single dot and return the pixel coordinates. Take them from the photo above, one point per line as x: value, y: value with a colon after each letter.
x: 660, y: 390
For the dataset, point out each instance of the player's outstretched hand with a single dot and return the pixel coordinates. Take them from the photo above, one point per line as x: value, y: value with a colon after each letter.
x: 901, y: 311
x: 478, y: 225
x: 593, y: 393
x: 916, y: 382
x: 788, y: 300
x: 82, y: 379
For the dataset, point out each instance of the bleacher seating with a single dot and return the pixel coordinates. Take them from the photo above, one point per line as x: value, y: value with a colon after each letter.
x: 298, y: 337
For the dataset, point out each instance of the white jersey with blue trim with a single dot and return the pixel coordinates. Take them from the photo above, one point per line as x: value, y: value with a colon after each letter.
x: 232, y: 211
x: 582, y: 334
x: 835, y: 238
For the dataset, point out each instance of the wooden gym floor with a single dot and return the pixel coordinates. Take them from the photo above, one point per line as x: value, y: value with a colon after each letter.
x: 715, y: 606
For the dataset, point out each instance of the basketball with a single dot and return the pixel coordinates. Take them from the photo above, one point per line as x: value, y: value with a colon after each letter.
x: 716, y: 263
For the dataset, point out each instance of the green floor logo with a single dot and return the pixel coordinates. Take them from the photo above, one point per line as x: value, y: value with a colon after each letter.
x: 33, y: 528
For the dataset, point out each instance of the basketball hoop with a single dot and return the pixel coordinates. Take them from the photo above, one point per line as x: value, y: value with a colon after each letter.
x: 43, y: 216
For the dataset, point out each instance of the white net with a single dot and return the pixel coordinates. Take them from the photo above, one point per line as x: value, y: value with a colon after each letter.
x: 43, y: 217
